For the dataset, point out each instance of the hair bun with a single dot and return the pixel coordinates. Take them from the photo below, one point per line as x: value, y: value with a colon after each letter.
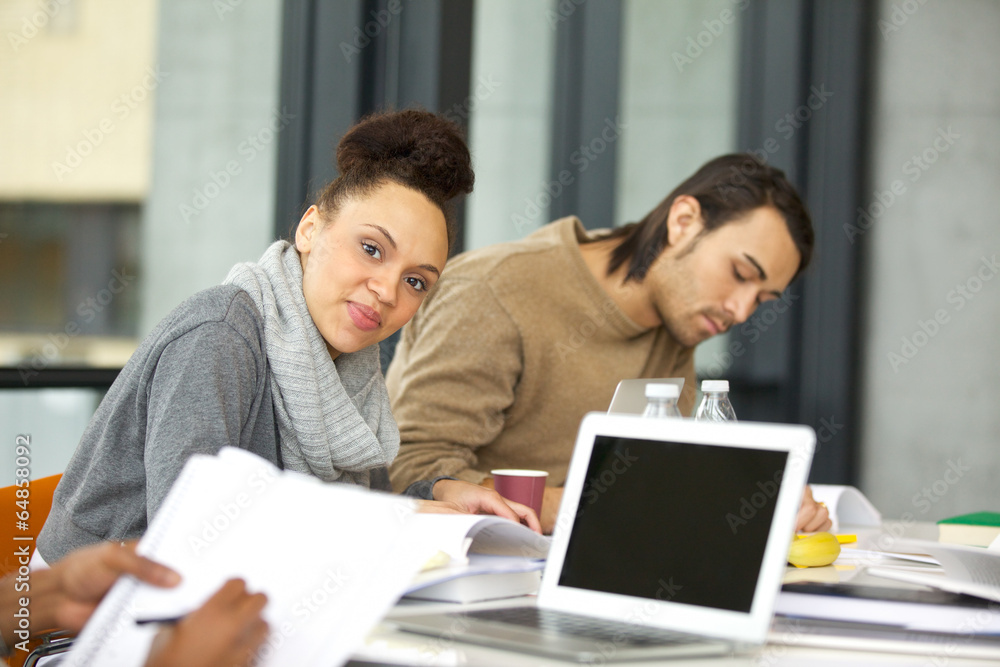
x: 417, y: 148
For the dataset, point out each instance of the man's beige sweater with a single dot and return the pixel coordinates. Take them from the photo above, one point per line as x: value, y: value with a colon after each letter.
x: 513, y: 346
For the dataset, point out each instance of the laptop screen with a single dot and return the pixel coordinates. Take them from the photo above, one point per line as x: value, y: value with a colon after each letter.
x: 691, y: 521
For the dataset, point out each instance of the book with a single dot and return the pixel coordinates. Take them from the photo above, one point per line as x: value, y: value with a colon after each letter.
x: 477, y: 558
x: 483, y: 577
x: 967, y: 570
x: 978, y: 529
x: 458, y: 535
x: 912, y: 609
x: 331, y: 558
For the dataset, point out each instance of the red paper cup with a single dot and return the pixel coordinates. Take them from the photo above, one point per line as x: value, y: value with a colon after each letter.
x: 522, y: 486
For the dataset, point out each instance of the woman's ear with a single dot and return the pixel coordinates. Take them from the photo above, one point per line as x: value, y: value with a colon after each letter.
x: 684, y: 221
x: 306, y: 231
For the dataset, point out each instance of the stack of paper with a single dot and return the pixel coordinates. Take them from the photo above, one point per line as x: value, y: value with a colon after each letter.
x: 331, y: 558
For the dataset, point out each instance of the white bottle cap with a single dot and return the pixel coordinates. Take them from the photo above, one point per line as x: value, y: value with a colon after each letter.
x: 714, y: 385
x: 665, y: 390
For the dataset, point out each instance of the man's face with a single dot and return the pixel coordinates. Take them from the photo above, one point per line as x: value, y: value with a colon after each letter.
x: 701, y: 285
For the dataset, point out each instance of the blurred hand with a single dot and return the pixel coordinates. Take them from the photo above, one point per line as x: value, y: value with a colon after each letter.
x: 467, y: 498
x: 812, y: 516
x: 82, y: 577
x: 550, y: 508
x: 227, y: 630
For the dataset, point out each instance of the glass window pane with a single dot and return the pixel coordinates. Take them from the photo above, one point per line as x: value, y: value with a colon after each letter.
x: 678, y: 103
x: 79, y: 83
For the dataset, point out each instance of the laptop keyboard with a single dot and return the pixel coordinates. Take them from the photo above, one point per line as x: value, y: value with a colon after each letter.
x: 581, y: 626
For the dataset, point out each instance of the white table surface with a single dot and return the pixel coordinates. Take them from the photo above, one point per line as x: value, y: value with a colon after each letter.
x: 388, y: 646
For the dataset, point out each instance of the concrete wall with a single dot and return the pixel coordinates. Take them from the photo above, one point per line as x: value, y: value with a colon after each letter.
x: 930, y: 436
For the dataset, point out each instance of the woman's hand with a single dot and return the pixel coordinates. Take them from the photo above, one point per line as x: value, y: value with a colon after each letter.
x: 456, y: 496
x: 812, y: 515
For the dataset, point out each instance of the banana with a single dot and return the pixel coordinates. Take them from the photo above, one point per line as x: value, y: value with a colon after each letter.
x: 813, y: 550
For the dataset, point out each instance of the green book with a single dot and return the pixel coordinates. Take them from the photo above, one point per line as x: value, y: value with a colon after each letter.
x: 978, y: 529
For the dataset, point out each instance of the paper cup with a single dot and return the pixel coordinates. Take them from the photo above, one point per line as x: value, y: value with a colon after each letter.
x: 522, y: 486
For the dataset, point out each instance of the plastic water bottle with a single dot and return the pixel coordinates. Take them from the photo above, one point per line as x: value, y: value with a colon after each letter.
x: 715, y: 405
x: 661, y: 400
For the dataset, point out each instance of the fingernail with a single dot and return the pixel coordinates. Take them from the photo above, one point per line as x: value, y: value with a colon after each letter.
x: 169, y: 578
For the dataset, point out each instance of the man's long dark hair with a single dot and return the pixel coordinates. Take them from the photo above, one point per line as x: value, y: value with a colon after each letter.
x: 727, y: 188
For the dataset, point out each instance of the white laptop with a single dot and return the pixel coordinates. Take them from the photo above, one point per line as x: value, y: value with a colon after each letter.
x: 630, y: 395
x: 671, y: 541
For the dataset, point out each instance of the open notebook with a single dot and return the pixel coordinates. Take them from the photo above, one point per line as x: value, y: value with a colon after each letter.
x: 671, y: 541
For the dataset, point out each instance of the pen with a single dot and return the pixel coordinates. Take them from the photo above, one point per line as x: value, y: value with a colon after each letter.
x: 162, y: 621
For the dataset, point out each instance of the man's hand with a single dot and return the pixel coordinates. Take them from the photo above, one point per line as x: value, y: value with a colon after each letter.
x: 452, y: 495
x: 813, y: 516
x: 550, y: 508
x: 82, y: 578
x: 227, y: 630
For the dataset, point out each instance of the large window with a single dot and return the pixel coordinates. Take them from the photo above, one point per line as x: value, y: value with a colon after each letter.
x: 138, y: 166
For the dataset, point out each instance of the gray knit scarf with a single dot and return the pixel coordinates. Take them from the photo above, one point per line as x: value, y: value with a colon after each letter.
x: 333, y: 417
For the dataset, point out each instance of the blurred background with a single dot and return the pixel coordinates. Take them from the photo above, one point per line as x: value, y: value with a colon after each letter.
x: 148, y: 146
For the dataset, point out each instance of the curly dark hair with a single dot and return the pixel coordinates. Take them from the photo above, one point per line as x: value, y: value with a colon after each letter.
x: 414, y: 148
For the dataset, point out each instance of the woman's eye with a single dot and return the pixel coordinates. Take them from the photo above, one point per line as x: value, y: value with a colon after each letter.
x: 417, y: 284
x: 372, y: 250
x: 739, y: 278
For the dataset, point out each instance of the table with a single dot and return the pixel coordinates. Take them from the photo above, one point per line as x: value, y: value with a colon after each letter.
x: 388, y: 646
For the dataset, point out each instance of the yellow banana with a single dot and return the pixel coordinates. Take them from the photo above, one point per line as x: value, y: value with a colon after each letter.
x: 813, y: 550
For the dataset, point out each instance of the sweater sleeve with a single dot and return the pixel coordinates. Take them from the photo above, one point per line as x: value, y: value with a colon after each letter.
x: 451, y: 381
x: 200, y: 399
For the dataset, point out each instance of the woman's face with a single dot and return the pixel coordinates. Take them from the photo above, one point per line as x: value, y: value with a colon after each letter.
x: 366, y: 270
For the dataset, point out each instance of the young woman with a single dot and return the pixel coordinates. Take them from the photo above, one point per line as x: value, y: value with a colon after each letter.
x: 282, y: 358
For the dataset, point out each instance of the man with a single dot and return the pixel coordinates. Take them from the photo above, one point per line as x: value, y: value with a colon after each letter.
x: 518, y: 341
x: 227, y: 629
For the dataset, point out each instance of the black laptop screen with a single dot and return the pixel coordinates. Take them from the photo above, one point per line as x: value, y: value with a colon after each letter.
x: 674, y: 521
